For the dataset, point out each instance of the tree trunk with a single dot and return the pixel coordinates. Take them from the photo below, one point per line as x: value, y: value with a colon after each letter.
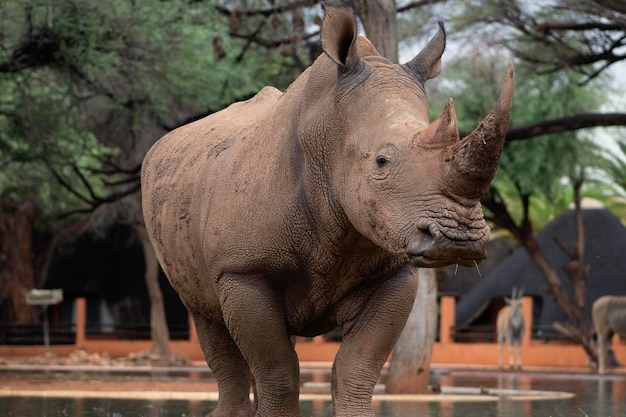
x: 555, y: 287
x: 578, y: 274
x: 381, y: 25
x: 409, y: 370
x: 158, y: 322
x: 16, y: 263
x: 579, y: 326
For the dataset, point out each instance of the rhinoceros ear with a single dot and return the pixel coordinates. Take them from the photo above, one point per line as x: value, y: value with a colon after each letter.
x: 338, y: 36
x: 427, y: 64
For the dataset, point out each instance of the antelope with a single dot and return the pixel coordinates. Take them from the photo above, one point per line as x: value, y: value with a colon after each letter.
x: 511, y: 327
x: 609, y: 316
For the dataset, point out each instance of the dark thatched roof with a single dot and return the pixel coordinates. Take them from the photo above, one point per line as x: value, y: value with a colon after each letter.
x: 605, y: 253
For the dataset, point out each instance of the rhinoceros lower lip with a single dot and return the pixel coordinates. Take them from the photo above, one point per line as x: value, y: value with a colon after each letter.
x: 421, y: 260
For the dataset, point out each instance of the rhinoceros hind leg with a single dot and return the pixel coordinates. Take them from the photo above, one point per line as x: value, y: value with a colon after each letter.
x: 228, y: 366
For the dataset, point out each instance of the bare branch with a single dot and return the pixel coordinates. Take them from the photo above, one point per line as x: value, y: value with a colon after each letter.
x: 85, y: 183
x: 416, y: 4
x: 108, y: 199
x: 124, y: 181
x: 271, y: 43
x: 548, y: 26
x: 66, y: 185
x: 566, y: 124
x: 266, y: 12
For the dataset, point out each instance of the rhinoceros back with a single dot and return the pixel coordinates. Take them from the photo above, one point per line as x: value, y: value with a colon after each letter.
x: 195, y: 177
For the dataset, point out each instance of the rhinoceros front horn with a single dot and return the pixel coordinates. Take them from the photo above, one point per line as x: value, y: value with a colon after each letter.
x: 473, y: 161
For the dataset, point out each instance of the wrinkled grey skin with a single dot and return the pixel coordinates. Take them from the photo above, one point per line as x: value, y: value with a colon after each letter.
x: 293, y: 213
x: 609, y: 316
x: 510, y: 325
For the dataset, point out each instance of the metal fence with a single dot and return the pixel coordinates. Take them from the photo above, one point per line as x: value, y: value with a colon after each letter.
x: 33, y: 334
x: 488, y: 334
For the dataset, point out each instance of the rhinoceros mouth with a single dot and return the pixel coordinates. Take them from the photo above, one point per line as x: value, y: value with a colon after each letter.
x: 426, y: 262
x: 428, y: 247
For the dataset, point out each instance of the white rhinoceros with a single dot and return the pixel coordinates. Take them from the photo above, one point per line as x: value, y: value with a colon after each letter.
x: 294, y: 213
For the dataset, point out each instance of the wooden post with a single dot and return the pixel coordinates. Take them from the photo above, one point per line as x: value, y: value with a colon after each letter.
x: 81, y: 321
x: 446, y: 319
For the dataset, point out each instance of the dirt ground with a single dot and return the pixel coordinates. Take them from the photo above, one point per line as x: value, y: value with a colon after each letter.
x: 93, y: 372
x: 74, y: 381
x: 138, y: 372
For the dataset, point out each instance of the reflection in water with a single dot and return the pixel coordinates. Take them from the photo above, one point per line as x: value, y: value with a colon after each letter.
x: 595, y: 396
x: 604, y: 391
x: 197, y: 408
x: 402, y: 408
x: 611, y: 397
x: 100, y: 407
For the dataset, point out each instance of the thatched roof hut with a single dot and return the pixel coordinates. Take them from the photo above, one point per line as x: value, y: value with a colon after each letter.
x: 605, y: 253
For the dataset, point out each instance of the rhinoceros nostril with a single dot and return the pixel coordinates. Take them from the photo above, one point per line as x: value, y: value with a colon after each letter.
x: 426, y: 233
x: 421, y: 242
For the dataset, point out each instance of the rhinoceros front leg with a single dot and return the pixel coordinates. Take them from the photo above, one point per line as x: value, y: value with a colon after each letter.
x: 375, y: 319
x: 255, y: 319
x: 228, y: 366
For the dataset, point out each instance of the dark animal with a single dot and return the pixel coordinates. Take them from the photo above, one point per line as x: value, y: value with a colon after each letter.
x: 292, y: 213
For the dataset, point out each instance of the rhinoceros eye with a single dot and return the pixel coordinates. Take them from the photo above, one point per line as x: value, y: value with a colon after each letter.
x: 385, y: 160
x: 381, y: 161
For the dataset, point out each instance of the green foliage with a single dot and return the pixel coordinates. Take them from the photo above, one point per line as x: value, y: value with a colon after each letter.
x: 541, y: 168
x: 610, y: 182
x: 39, y: 133
x: 615, y: 168
x: 560, y: 51
x: 572, y: 35
x: 545, y: 166
x: 79, y: 79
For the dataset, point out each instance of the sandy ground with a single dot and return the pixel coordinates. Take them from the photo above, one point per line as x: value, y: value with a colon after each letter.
x: 91, y: 381
x: 99, y: 373
x: 138, y: 373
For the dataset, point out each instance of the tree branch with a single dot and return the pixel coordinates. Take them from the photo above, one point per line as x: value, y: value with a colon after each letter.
x: 270, y: 43
x: 102, y: 200
x: 416, y: 4
x: 564, y: 124
x: 548, y: 26
x: 266, y: 12
x: 66, y: 185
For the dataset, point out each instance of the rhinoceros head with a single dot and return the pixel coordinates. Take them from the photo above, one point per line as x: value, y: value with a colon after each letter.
x: 410, y: 186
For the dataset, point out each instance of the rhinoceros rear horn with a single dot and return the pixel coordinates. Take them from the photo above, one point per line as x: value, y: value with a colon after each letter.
x: 473, y: 161
x: 338, y: 36
x: 427, y: 64
x: 442, y: 132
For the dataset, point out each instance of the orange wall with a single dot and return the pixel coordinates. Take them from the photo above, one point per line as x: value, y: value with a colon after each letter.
x: 445, y: 352
x: 534, y: 353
